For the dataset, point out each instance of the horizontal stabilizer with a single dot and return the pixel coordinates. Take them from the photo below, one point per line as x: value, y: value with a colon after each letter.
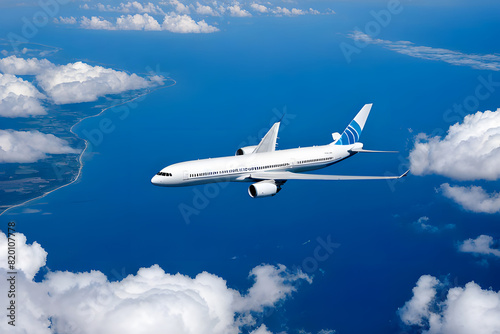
x: 370, y: 151
x: 297, y: 176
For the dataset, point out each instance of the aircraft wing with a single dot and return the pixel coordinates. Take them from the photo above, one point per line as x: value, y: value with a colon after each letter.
x: 297, y: 176
x: 268, y: 143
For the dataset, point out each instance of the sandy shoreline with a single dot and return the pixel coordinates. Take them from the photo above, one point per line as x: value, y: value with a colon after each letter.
x: 80, y: 157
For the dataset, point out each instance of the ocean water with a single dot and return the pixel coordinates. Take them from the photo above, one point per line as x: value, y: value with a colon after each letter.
x: 230, y: 87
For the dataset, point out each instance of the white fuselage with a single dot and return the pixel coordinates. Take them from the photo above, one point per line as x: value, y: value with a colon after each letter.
x: 239, y: 168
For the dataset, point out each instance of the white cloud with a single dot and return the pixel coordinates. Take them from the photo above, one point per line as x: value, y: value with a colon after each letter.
x: 279, y: 11
x: 421, y: 224
x: 205, y: 10
x: 172, y: 22
x: 282, y: 11
x: 296, y: 11
x: 259, y: 8
x: 147, y: 8
x: 80, y: 82
x: 177, y: 21
x: 130, y: 7
x: 473, y: 198
x: 19, y: 98
x: 261, y: 330
x: 470, y: 150
x: 417, y: 308
x: 481, y: 245
x: 464, y: 310
x: 236, y: 11
x: 137, y: 22
x: 489, y: 62
x: 104, y: 8
x: 30, y: 146
x: 21, y: 66
x: 185, y: 24
x: 96, y: 23
x: 180, y: 7
x: 76, y: 82
x: 271, y: 284
x: 29, y: 259
x: 65, y: 20
x: 150, y: 301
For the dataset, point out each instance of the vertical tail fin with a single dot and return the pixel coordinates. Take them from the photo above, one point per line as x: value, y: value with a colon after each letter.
x: 352, y: 133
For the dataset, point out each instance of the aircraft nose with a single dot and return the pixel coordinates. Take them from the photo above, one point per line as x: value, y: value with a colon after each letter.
x: 156, y: 180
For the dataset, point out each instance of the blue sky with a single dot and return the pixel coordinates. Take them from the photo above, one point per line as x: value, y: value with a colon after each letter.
x: 320, y: 257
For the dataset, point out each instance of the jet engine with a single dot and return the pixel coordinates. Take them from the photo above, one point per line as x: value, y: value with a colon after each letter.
x: 263, y: 189
x: 246, y: 150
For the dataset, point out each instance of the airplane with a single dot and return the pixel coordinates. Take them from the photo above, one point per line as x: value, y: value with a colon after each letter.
x: 269, y: 168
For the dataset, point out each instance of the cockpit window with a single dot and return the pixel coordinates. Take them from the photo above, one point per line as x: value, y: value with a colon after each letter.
x: 164, y: 174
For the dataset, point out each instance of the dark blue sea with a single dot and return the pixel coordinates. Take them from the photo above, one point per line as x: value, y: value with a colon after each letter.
x: 230, y: 87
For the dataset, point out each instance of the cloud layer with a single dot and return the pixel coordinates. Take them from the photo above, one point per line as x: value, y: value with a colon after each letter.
x: 470, y: 150
x: 490, y: 62
x: 150, y: 301
x: 173, y: 22
x: 176, y: 15
x: 464, y: 310
x: 80, y: 82
x: 130, y: 7
x: 30, y: 146
x: 76, y: 82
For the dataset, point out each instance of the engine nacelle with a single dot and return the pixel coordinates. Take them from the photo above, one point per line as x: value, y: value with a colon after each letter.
x: 246, y: 150
x: 263, y: 189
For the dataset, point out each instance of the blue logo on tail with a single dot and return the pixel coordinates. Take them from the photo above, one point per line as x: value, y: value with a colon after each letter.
x: 350, y: 135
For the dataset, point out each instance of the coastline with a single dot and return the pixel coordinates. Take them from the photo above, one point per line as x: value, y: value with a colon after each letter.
x: 80, y: 156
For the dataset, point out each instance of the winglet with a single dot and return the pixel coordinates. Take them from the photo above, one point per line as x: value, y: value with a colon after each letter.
x: 405, y: 173
x: 282, y: 117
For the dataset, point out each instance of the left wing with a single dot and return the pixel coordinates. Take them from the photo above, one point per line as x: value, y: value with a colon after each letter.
x: 268, y: 143
x: 297, y: 176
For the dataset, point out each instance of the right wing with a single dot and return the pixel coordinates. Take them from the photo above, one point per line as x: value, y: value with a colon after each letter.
x: 296, y: 176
